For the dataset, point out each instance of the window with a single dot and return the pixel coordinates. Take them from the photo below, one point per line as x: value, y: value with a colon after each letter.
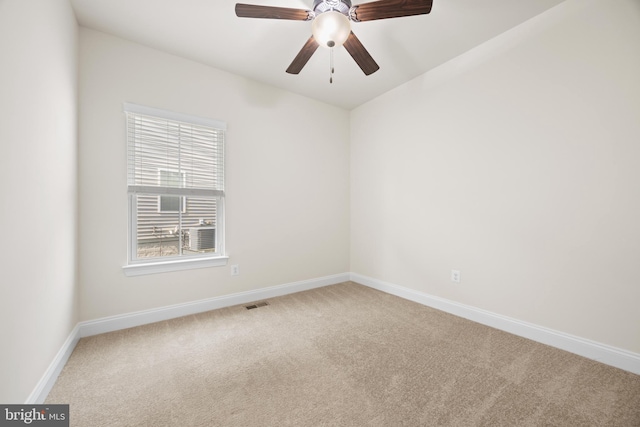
x: 174, y: 179
x: 175, y: 184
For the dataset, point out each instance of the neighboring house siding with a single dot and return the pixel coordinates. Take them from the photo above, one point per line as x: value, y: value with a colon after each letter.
x: 197, y: 209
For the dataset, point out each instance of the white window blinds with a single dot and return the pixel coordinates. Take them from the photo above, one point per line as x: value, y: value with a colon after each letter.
x: 174, y: 154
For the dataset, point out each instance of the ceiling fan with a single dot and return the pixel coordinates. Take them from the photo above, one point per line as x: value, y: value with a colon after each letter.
x: 331, y: 25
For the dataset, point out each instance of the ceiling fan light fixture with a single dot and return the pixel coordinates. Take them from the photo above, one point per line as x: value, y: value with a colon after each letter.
x: 331, y: 25
x: 331, y: 29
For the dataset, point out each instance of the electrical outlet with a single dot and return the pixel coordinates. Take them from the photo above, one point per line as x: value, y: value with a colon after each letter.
x: 235, y: 270
x: 455, y: 276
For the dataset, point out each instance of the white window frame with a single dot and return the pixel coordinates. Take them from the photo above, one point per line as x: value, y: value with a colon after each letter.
x: 136, y: 266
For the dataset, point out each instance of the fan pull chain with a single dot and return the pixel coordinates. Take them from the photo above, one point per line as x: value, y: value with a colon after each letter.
x: 331, y: 65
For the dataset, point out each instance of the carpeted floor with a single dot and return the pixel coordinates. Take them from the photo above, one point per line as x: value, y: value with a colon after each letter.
x: 343, y: 355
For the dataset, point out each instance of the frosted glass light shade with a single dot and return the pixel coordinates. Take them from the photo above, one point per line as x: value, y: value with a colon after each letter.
x: 331, y: 29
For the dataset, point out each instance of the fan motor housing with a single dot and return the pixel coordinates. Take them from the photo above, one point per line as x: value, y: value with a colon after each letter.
x: 342, y: 6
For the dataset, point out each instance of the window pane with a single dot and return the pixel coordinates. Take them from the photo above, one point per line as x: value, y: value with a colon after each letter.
x: 171, y: 203
x: 174, y: 233
x: 171, y: 178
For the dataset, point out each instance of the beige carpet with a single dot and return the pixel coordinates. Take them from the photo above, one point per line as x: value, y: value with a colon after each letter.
x: 343, y: 355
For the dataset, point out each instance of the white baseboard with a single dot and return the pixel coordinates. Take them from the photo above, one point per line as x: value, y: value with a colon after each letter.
x: 130, y: 320
x: 600, y: 352
x: 590, y: 349
x: 44, y: 386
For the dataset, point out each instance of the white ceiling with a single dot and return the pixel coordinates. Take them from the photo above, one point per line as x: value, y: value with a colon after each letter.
x: 209, y: 32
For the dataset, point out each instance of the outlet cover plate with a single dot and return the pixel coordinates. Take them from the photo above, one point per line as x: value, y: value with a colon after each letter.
x: 455, y: 276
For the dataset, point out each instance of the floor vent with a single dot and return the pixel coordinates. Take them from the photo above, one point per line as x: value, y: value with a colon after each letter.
x: 256, y: 305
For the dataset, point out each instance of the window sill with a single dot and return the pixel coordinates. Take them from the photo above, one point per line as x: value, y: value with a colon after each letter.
x: 175, y: 265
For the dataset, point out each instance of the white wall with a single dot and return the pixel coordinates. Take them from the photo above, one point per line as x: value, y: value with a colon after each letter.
x: 287, y: 206
x: 519, y: 164
x: 38, y: 182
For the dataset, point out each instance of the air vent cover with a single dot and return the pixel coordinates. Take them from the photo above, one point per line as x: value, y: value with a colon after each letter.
x: 256, y: 305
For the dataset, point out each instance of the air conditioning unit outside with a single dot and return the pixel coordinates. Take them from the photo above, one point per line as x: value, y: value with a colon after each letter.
x: 202, y: 238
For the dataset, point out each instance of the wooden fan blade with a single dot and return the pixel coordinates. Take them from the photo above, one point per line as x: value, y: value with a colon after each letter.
x: 269, y: 12
x: 303, y: 56
x: 383, y: 9
x: 360, y: 55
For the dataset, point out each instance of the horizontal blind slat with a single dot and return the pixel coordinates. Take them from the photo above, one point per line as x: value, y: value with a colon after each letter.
x: 174, y: 191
